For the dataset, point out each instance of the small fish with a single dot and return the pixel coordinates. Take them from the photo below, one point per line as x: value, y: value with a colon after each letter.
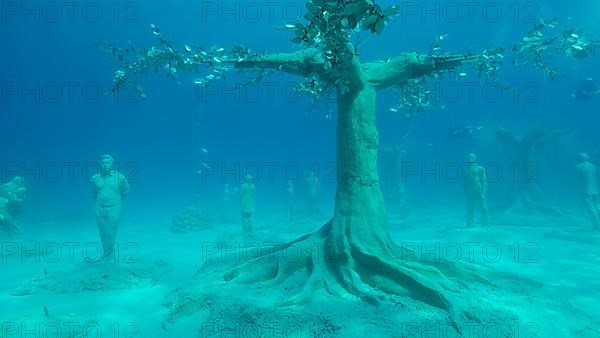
x: 210, y: 77
x: 199, y: 172
x: 204, y: 165
x: 575, y: 35
x: 203, y: 53
x: 443, y: 36
x: 198, y: 82
x: 46, y: 314
x: 219, y: 50
x: 393, y: 110
x: 462, y: 74
x: 204, y: 150
x: 290, y: 26
x: 187, y: 49
x: 216, y: 60
x: 577, y: 47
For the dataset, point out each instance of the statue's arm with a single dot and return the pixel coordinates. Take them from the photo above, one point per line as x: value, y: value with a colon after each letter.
x: 94, y: 181
x: 124, y: 185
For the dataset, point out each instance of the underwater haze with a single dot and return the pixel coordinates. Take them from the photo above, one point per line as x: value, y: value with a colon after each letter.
x: 328, y: 168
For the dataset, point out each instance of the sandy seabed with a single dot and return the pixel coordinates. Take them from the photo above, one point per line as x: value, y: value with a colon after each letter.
x: 154, y: 286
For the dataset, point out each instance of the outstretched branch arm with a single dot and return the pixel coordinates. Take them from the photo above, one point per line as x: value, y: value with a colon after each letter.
x: 399, y: 70
x: 303, y: 63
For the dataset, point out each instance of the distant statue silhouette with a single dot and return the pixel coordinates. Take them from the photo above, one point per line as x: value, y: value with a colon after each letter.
x: 109, y: 189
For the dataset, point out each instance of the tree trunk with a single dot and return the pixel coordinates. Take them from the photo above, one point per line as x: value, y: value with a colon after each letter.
x: 358, y: 191
x: 356, y: 256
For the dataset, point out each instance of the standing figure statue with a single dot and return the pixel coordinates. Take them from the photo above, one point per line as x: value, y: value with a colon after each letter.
x: 392, y: 179
x: 227, y: 208
x: 312, y: 194
x: 109, y: 189
x: 475, y: 189
x: 248, y: 192
x: 523, y: 149
x: 289, y: 201
x: 12, y: 195
x: 588, y: 188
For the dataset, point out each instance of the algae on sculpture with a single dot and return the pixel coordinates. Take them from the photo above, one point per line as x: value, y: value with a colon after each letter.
x: 12, y: 195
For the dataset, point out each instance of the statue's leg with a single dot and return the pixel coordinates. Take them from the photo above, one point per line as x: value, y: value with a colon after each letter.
x: 246, y: 222
x: 591, y: 202
x: 597, y: 200
x: 249, y: 223
x: 108, y: 219
x: 470, y: 210
x: 485, y: 216
x: 289, y: 211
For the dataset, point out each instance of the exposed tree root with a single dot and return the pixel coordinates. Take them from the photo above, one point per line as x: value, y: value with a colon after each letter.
x: 368, y: 273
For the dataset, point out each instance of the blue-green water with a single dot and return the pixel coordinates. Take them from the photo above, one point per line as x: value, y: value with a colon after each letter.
x: 181, y: 143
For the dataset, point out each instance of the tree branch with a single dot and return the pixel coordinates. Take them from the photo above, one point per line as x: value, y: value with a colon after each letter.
x: 303, y: 63
x: 399, y: 70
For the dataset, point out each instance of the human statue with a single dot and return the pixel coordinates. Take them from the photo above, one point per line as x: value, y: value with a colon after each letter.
x: 12, y: 195
x: 228, y: 194
x: 399, y: 192
x: 312, y: 194
x: 289, y: 201
x: 248, y: 193
x: 109, y: 189
x: 588, y: 188
x: 475, y: 186
x: 522, y: 149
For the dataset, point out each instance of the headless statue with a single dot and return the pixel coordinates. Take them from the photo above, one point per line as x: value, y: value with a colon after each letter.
x: 475, y: 190
x: 586, y: 173
x: 109, y: 189
x: 248, y: 192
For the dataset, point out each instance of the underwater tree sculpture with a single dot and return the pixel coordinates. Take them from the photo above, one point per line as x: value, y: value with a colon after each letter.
x: 355, y: 255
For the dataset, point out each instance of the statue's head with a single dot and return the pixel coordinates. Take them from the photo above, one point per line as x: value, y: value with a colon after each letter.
x: 248, y: 179
x: 106, y: 164
x: 583, y: 157
x: 471, y: 157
